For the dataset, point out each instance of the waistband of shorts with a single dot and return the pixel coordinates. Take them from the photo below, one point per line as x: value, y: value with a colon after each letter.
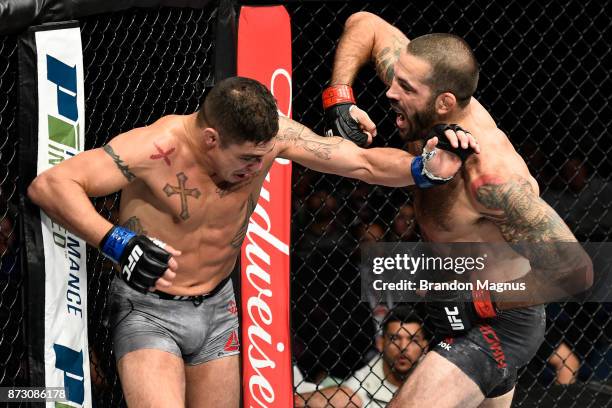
x: 196, y: 299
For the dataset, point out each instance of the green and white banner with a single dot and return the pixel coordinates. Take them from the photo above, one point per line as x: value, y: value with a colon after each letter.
x: 60, y: 127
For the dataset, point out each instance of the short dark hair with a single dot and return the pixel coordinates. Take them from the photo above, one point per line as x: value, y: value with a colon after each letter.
x: 454, y: 66
x: 241, y: 110
x: 403, y: 314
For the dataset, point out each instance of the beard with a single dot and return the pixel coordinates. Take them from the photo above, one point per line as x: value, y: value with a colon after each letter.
x: 421, y: 122
x: 400, y: 374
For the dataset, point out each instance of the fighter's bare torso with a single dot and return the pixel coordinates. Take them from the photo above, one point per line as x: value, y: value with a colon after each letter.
x: 177, y: 201
x: 451, y: 213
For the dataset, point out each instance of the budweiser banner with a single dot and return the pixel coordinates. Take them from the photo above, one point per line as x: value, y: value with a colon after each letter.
x: 264, y: 54
x: 51, y: 73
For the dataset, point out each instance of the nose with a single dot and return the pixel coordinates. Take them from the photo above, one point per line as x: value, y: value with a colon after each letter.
x: 392, y: 91
x: 404, y: 345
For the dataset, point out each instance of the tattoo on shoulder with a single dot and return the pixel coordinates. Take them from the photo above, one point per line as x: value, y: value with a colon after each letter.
x: 239, y: 237
x: 125, y: 170
x: 161, y: 154
x: 134, y: 224
x: 387, y: 57
x: 525, y: 217
x: 304, y: 138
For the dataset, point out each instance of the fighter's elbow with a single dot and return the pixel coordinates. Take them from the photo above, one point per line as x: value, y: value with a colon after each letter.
x: 581, y: 277
x: 40, y: 190
x: 360, y: 18
x: 36, y: 188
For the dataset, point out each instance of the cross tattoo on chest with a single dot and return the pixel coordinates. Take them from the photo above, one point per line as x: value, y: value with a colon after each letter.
x: 183, y: 192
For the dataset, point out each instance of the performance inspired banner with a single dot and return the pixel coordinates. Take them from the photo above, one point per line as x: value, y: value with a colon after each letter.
x: 264, y: 54
x: 51, y: 70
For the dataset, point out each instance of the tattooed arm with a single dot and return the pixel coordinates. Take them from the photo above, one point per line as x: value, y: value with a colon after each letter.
x: 366, y: 38
x: 384, y: 166
x: 342, y: 157
x: 559, y: 265
x: 63, y: 191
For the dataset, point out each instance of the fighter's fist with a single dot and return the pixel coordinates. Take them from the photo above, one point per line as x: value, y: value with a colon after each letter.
x: 142, y: 260
x: 453, y: 138
x: 447, y: 147
x: 344, y: 118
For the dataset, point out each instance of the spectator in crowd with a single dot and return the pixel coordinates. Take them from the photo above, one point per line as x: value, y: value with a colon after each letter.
x: 565, y: 363
x: 584, y: 199
x: 329, y: 306
x: 403, y: 227
x: 368, y: 233
x: 9, y: 265
x: 404, y: 343
x: 7, y: 236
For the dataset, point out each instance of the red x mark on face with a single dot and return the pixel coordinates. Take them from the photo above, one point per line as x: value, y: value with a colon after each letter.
x: 162, y: 155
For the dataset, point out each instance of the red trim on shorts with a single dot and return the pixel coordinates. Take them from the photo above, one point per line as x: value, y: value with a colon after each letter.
x: 490, y: 336
x: 483, y: 304
x: 336, y: 94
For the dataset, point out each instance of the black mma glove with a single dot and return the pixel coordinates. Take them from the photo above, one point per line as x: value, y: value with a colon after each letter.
x: 337, y: 103
x: 141, y: 260
x: 443, y: 142
x: 455, y: 312
x: 422, y: 177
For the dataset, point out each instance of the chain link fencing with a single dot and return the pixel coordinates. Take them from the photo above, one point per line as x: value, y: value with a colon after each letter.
x: 12, y: 349
x: 544, y: 69
x: 140, y: 64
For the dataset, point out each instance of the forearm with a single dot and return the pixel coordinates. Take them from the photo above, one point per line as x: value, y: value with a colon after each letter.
x: 558, y: 271
x: 65, y: 202
x: 354, y: 49
x: 545, y: 286
x: 385, y: 166
x: 388, y: 167
x: 366, y: 38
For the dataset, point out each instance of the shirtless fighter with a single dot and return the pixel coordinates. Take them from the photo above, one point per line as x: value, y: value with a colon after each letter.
x: 431, y: 81
x: 193, y: 181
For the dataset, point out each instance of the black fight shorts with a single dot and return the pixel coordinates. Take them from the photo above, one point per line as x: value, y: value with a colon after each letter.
x: 491, y: 352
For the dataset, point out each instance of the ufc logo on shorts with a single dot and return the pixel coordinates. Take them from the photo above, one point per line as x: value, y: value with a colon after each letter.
x: 132, y: 260
x: 455, y: 322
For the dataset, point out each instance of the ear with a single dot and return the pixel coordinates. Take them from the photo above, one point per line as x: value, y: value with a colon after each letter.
x: 445, y: 103
x: 210, y: 137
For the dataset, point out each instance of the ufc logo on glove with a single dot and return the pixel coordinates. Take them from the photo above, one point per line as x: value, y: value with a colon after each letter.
x: 132, y: 260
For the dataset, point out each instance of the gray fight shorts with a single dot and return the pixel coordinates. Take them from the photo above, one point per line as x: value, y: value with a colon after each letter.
x: 197, y: 331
